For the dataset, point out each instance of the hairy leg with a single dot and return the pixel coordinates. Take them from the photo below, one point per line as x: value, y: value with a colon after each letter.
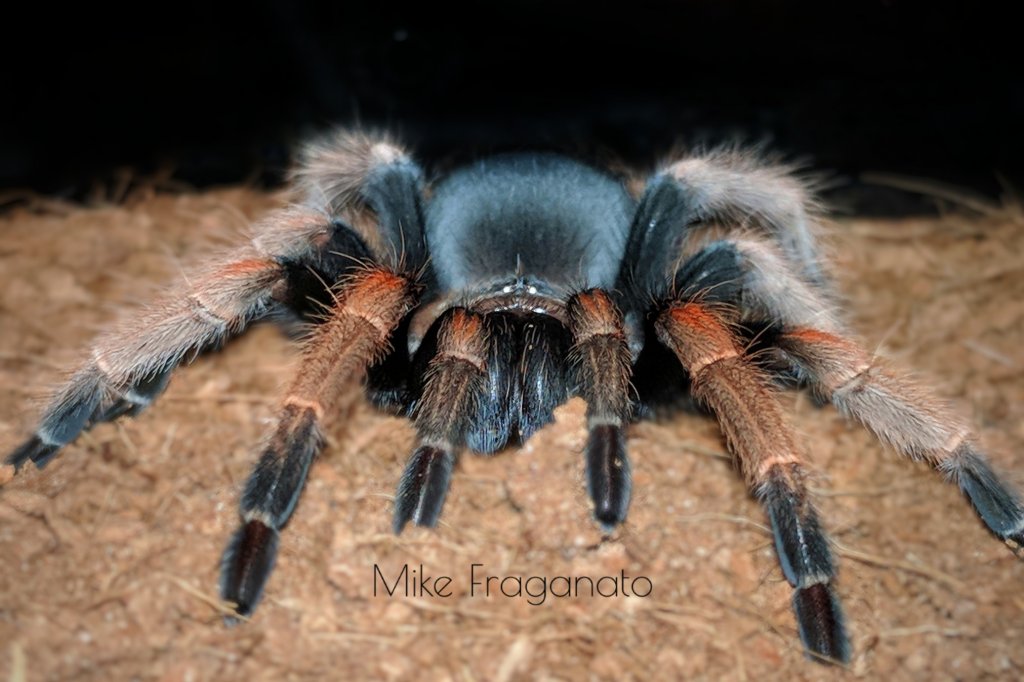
x: 372, y: 190
x: 726, y: 186
x: 908, y: 417
x: 765, y: 448
x: 601, y: 360
x: 131, y: 365
x: 755, y: 276
x: 369, y: 307
x: 454, y: 384
x: 361, y: 203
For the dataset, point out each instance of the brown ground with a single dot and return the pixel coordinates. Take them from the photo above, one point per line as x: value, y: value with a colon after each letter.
x: 109, y: 556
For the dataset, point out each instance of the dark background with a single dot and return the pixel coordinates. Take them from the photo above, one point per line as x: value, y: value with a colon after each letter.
x: 214, y: 94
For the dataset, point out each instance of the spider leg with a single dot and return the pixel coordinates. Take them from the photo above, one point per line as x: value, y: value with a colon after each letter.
x: 370, y: 306
x: 900, y: 412
x: 347, y: 172
x: 908, y: 417
x: 455, y: 383
x: 763, y: 443
x: 362, y: 202
x: 601, y: 359
x: 372, y: 189
x: 726, y: 186
x: 130, y: 366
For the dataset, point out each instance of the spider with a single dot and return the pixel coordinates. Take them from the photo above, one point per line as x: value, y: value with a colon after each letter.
x: 478, y: 303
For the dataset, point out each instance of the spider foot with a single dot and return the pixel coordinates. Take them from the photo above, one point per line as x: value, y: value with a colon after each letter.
x: 996, y: 503
x: 83, y: 403
x: 67, y: 416
x: 819, y: 618
x: 608, y: 475
x: 247, y: 563
x: 35, y: 450
x: 806, y: 561
x: 423, y: 488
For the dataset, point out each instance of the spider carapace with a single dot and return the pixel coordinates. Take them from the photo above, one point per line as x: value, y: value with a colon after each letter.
x: 477, y: 303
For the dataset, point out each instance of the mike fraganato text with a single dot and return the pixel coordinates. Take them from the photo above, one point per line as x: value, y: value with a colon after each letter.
x: 535, y: 589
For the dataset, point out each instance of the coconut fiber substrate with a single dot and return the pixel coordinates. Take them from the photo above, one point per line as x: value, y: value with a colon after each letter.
x: 109, y: 556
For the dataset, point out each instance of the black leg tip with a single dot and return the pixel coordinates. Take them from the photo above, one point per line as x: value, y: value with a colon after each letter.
x: 822, y: 627
x: 608, y: 475
x: 246, y: 566
x: 998, y: 505
x: 423, y: 488
x: 609, y: 516
x: 34, y: 450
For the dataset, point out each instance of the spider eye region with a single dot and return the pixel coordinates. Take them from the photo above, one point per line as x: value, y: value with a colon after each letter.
x: 526, y: 285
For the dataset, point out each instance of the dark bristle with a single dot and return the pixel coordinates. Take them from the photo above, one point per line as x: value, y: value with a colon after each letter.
x: 423, y: 488
x: 998, y: 505
x: 246, y: 565
x: 820, y: 620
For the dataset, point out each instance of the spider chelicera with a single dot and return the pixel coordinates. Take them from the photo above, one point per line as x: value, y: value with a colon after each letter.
x: 478, y: 303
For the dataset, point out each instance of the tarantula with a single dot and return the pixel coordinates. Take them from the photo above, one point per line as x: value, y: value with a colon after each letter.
x: 477, y: 304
